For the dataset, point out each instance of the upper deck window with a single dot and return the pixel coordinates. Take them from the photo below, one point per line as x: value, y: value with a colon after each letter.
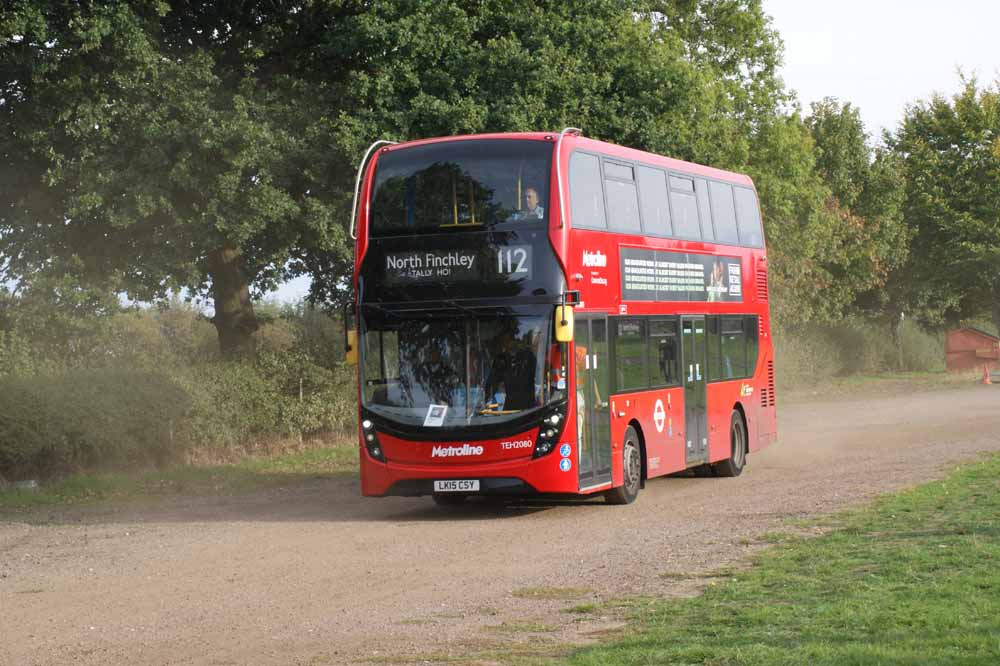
x: 685, y: 207
x: 585, y: 191
x: 724, y: 212
x: 623, y: 200
x: 653, y: 194
x: 748, y: 218
x: 461, y: 185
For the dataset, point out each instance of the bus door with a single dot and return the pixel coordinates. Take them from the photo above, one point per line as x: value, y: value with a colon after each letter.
x: 695, y: 405
x: 593, y: 418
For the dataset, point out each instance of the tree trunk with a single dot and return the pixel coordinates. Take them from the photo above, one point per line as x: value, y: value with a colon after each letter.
x: 234, y: 320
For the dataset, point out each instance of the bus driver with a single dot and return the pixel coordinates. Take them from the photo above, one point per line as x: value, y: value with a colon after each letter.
x: 532, y: 209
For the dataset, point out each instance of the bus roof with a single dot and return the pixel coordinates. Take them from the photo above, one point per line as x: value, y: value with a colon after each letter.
x: 594, y: 145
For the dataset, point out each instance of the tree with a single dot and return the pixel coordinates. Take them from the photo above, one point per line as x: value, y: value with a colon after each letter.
x: 623, y: 71
x: 160, y: 146
x: 843, y: 155
x: 866, y: 192
x: 950, y: 151
x: 210, y: 146
x: 187, y: 144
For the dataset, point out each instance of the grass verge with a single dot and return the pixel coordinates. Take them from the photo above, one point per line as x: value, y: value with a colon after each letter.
x: 200, y: 479
x: 913, y: 579
x: 884, y: 384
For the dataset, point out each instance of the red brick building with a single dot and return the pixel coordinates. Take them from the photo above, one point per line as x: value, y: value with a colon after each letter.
x: 970, y: 348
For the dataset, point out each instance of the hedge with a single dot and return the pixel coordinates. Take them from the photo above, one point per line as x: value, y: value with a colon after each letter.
x: 92, y: 419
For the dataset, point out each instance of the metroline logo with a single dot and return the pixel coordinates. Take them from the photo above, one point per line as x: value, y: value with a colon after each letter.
x: 449, y: 451
x: 595, y: 259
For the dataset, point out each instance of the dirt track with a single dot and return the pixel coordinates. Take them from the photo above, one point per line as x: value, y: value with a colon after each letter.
x: 316, y: 575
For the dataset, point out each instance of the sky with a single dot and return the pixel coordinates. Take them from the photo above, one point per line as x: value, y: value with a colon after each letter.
x: 882, y: 55
x: 879, y: 55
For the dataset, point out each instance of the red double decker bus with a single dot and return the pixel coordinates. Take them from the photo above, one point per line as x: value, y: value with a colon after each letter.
x: 546, y: 313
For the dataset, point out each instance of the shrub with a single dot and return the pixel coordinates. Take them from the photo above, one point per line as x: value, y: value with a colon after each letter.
x: 17, y: 358
x: 232, y: 403
x: 93, y: 419
x: 313, y: 398
x: 805, y: 356
x: 922, y: 351
x: 809, y: 355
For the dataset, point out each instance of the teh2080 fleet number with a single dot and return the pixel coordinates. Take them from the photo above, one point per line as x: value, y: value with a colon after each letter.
x: 519, y: 444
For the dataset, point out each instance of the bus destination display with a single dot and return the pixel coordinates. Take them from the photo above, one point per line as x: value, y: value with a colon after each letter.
x: 508, y: 262
x: 655, y: 275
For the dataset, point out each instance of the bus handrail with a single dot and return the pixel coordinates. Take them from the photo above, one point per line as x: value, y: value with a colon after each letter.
x: 562, y: 208
x: 357, y: 182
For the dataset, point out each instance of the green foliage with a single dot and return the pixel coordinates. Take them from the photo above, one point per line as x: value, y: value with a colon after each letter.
x: 837, y: 230
x: 802, y: 230
x: 162, y: 148
x: 230, y: 407
x: 89, y: 419
x: 842, y: 153
x: 156, y: 148
x: 233, y: 405
x: 17, y: 359
x: 808, y: 356
x: 804, y: 357
x: 921, y: 351
x: 951, y: 156
x: 912, y: 580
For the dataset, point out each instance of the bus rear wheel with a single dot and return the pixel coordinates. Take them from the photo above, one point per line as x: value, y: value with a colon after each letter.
x: 738, y: 447
x: 631, y: 468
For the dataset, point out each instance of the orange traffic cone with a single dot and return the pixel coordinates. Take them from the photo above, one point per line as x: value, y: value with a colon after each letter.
x: 986, y: 373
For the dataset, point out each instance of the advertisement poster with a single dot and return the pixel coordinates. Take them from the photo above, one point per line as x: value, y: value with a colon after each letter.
x: 655, y: 275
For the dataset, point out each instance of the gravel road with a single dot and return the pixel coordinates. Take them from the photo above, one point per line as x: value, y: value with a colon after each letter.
x: 316, y: 575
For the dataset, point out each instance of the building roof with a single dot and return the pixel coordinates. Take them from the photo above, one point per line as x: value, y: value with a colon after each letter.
x: 978, y: 331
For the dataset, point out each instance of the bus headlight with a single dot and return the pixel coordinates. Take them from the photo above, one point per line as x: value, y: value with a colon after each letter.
x: 371, y: 441
x: 550, y: 430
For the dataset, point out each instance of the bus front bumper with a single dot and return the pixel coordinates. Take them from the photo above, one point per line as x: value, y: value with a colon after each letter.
x: 516, y: 477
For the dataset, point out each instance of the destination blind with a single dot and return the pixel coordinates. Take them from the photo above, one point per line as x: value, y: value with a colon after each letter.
x: 509, y: 262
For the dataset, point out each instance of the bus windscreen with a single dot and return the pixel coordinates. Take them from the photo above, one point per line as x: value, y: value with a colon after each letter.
x: 462, y: 370
x: 460, y: 185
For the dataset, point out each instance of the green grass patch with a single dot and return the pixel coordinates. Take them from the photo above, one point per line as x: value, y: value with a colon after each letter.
x: 582, y: 609
x: 913, y: 579
x: 222, y: 479
x: 520, y: 628
x: 551, y: 593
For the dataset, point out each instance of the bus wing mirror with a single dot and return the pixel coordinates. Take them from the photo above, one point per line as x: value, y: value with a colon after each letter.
x: 564, y: 323
x: 351, y: 350
x: 350, y: 337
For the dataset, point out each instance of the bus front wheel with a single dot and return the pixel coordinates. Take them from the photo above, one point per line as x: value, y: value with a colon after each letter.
x: 738, y: 447
x: 632, y: 470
